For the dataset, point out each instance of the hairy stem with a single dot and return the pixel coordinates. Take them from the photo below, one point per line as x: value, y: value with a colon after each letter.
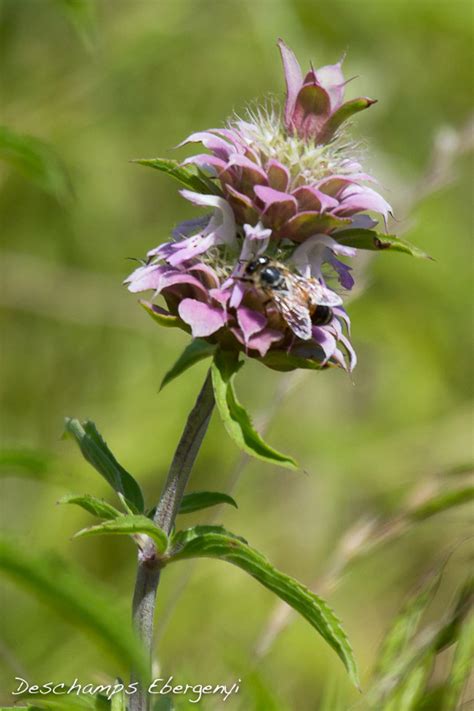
x: 148, y: 573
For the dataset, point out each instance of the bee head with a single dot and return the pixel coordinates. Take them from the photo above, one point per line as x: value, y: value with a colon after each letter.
x: 255, y: 264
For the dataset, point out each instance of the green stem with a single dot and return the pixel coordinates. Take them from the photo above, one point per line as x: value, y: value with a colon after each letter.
x: 148, y: 573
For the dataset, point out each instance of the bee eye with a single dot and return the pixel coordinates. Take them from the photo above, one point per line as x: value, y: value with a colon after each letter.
x: 251, y: 267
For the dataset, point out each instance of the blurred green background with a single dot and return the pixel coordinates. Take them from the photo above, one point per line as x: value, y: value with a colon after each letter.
x: 106, y: 82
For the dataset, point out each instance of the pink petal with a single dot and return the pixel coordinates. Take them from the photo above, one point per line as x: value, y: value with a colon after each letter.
x: 313, y: 199
x: 355, y: 198
x: 293, y: 79
x: 279, y: 206
x: 332, y: 79
x: 278, y: 175
x: 145, y: 277
x: 250, y: 321
x: 203, y: 319
x: 220, y: 147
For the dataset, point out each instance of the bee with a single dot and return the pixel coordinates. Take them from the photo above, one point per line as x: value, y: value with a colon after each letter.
x: 303, y: 302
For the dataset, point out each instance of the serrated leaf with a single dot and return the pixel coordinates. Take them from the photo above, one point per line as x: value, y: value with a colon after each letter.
x: 461, y: 666
x: 97, y: 507
x: 78, y: 599
x: 37, y: 161
x: 161, y: 317
x: 369, y: 239
x: 128, y: 526
x: 24, y: 462
x: 197, y: 500
x: 441, y: 502
x: 234, y: 416
x: 209, y: 543
x: 97, y: 453
x: 189, y: 175
x: 194, y: 352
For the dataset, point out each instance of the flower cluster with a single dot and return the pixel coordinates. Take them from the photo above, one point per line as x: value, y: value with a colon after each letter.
x: 286, y: 187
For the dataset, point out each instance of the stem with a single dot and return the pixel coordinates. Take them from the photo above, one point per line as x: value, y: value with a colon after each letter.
x: 148, y: 573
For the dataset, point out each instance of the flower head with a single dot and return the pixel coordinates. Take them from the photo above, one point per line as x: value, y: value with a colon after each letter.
x: 287, y: 186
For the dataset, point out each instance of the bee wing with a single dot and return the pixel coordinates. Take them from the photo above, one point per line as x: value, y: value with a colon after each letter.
x: 295, y: 313
x: 319, y: 295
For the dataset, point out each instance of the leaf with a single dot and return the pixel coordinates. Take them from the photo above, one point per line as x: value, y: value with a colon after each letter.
x: 411, y: 690
x: 343, y: 113
x: 96, y: 507
x: 284, y: 362
x: 461, y: 665
x: 404, y: 627
x: 216, y: 542
x: 37, y: 161
x: 441, y: 502
x: 78, y: 599
x: 65, y: 702
x: 198, y: 500
x: 83, y: 18
x: 25, y: 462
x: 161, y: 317
x: 96, y: 452
x: 128, y: 526
x: 235, y: 418
x: 190, y: 176
x: 369, y: 239
x: 194, y: 352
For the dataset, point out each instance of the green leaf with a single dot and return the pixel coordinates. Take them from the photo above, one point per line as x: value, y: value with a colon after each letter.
x: 284, y: 362
x: 189, y: 175
x: 25, y: 462
x: 78, y: 599
x: 412, y: 689
x: 82, y: 16
x: 194, y: 352
x: 96, y: 507
x: 198, y: 500
x: 214, y: 542
x: 128, y: 526
x: 235, y: 418
x: 369, y: 239
x: 343, y: 113
x: 461, y: 665
x: 405, y: 625
x: 37, y: 161
x: 161, y: 317
x: 65, y: 702
x: 96, y: 452
x: 441, y: 502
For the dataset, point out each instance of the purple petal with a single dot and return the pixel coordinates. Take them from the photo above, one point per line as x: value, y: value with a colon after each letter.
x: 293, y: 79
x: 208, y: 272
x: 191, y: 247
x: 332, y: 79
x: 250, y: 321
x: 324, y: 340
x: 186, y: 229
x: 145, y: 277
x: 346, y: 279
x: 356, y: 198
x: 279, y: 207
x: 220, y: 147
x: 220, y: 295
x: 312, y: 110
x: 203, y: 319
x: 261, y: 342
x: 313, y: 199
x: 278, y: 175
x: 238, y: 293
x: 252, y: 173
x: 204, y: 160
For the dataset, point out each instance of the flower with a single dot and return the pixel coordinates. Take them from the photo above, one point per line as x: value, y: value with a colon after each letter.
x: 206, y: 297
x: 285, y: 184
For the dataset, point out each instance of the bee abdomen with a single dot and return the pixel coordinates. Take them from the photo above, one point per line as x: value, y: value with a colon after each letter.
x: 322, y: 316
